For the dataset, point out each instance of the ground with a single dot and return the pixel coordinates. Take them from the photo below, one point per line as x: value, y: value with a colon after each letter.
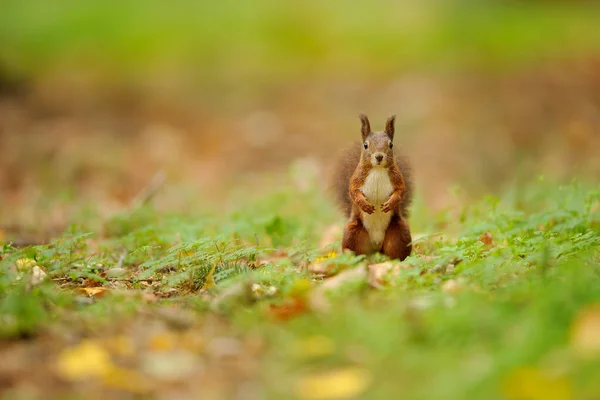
x: 499, y: 300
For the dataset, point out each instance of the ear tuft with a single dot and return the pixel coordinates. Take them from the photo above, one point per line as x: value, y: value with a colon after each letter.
x: 389, y: 126
x: 365, y: 126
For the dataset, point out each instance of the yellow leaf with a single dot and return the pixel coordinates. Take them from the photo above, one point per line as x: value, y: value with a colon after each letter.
x: 314, y: 347
x: 127, y: 380
x: 534, y: 384
x: 23, y: 263
x: 210, y: 280
x: 585, y: 332
x: 94, y: 291
x: 86, y: 360
x: 163, y: 341
x: 343, y: 383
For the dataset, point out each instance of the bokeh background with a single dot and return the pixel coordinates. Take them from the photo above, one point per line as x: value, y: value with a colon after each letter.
x: 97, y: 97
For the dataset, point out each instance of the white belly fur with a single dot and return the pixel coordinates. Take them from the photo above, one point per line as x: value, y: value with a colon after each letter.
x: 377, y: 189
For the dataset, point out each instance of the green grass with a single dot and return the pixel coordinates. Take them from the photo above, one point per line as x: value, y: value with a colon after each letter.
x: 503, y: 327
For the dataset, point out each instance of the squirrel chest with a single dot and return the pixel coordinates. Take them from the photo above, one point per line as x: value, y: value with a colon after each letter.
x: 377, y: 189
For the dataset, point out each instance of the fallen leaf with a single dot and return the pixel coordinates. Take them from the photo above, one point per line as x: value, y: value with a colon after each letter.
x: 321, y: 266
x: 260, y: 291
x: 209, y: 283
x: 377, y: 273
x: 343, y: 383
x: 318, y: 299
x: 487, y: 240
x: 37, y: 275
x: 289, y: 309
x: 115, y: 272
x: 86, y: 360
x: 535, y: 384
x: 94, y: 291
x: 585, y: 332
x: 25, y: 263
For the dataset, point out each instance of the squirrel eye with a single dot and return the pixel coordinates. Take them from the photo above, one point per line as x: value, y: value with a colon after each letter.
x: 366, y: 145
x: 391, y: 145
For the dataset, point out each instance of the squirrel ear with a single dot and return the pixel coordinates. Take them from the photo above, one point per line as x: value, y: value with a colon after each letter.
x: 389, y: 127
x: 366, y: 126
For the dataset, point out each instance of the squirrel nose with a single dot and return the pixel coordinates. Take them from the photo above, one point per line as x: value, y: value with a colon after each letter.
x: 379, y: 157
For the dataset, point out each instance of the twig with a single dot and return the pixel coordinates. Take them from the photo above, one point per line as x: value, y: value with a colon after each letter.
x: 121, y: 261
x: 131, y: 280
x: 149, y: 191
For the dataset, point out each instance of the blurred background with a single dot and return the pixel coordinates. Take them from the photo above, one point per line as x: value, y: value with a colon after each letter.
x: 97, y: 97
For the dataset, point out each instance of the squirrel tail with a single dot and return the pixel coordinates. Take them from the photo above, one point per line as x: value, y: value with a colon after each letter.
x: 345, y: 167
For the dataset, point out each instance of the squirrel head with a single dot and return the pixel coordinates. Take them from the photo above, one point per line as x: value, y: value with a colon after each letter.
x: 377, y: 146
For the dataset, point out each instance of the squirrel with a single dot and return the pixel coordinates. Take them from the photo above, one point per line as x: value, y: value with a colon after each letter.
x: 374, y: 188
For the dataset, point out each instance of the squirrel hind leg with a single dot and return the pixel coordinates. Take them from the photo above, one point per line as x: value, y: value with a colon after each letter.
x: 356, y: 238
x: 397, y: 240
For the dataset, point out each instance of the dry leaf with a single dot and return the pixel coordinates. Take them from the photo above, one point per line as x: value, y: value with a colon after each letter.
x: 25, y: 263
x: 86, y: 360
x: 322, y: 268
x: 318, y: 299
x: 37, y: 275
x: 585, y: 332
x: 209, y: 283
x: 94, y: 291
x: 343, y: 383
x: 288, y: 309
x: 487, y: 240
x: 535, y: 384
x: 377, y: 272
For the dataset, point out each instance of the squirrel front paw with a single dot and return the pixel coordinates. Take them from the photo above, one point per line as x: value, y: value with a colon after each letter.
x: 367, y: 207
x: 388, y: 206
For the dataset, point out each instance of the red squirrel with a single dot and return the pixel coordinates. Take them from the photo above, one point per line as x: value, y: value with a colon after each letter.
x: 374, y: 188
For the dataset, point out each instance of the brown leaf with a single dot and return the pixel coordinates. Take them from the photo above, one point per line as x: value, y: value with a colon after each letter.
x: 94, y: 291
x: 487, y: 240
x: 288, y: 310
x: 377, y: 273
x: 318, y: 299
x: 322, y: 267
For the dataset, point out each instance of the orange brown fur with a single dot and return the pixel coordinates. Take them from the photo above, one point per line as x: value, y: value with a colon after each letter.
x: 351, y: 174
